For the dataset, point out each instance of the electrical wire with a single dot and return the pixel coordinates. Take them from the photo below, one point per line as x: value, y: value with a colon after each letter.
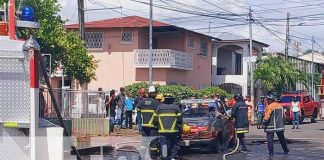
x: 219, y: 16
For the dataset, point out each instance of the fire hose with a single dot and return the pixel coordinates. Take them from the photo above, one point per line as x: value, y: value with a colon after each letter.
x: 233, y: 151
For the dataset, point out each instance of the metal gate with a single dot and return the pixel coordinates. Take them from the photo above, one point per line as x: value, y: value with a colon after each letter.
x: 85, y: 109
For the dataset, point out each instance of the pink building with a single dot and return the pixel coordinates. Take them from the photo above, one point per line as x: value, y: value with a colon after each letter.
x: 121, y: 45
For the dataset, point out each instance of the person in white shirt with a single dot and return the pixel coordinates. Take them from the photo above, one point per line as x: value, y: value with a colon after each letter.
x: 295, y: 110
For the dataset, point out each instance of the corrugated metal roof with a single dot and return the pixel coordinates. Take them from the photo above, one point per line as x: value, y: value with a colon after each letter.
x: 318, y: 57
x: 127, y: 22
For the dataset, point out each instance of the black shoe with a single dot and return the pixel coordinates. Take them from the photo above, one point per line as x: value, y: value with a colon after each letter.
x: 271, y: 154
x: 286, y: 153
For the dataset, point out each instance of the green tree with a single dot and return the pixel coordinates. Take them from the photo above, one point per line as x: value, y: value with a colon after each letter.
x: 213, y: 90
x: 277, y: 74
x: 179, y: 92
x: 62, y: 45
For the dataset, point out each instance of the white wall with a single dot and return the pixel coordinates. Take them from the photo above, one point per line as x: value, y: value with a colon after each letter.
x: 49, y: 143
x: 241, y: 80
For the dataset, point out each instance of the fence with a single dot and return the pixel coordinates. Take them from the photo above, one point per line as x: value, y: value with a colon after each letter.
x: 85, y: 109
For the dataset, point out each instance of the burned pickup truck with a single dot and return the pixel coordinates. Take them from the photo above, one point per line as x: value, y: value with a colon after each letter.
x: 202, y: 128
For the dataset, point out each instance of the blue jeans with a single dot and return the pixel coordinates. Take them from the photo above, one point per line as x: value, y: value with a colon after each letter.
x: 120, y: 117
x: 111, y: 124
x: 295, y: 118
x: 139, y: 120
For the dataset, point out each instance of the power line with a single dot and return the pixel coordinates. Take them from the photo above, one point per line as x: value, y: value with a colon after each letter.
x: 219, y: 16
x: 224, y: 9
x: 272, y: 32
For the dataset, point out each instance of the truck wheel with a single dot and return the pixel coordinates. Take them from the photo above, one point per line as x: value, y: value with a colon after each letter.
x: 302, y: 117
x: 314, y: 116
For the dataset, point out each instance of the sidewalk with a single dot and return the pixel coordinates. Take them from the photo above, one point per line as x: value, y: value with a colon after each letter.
x: 120, y: 136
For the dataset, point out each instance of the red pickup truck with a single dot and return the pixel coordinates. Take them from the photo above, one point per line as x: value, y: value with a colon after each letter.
x: 308, y: 107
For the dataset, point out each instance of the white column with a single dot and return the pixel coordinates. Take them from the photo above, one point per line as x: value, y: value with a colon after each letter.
x: 214, y: 63
x: 245, y: 70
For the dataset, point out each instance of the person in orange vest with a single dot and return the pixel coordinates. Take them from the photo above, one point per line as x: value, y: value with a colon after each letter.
x: 274, y: 122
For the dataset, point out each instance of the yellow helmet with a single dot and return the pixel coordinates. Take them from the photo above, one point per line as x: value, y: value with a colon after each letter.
x: 186, y: 129
x: 160, y: 97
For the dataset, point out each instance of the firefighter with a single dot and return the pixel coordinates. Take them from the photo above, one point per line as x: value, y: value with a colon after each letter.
x: 169, y: 124
x: 274, y: 122
x: 240, y: 113
x: 147, y: 109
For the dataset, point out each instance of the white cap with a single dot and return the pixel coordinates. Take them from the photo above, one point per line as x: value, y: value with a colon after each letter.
x: 151, y: 89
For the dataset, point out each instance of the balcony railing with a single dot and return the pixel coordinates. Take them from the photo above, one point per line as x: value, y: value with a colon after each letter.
x: 164, y: 58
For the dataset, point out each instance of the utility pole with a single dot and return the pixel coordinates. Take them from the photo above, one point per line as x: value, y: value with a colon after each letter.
x: 81, y: 18
x: 151, y: 47
x: 312, y: 71
x: 287, y: 36
x: 250, y: 63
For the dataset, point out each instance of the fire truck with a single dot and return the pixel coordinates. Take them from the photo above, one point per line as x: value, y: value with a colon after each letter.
x: 23, y: 135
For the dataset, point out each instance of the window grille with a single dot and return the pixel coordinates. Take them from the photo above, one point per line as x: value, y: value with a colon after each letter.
x: 204, y: 48
x: 127, y: 37
x: 94, y: 40
x: 191, y: 42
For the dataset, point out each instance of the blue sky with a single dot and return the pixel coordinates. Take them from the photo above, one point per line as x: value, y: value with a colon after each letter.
x: 270, y: 15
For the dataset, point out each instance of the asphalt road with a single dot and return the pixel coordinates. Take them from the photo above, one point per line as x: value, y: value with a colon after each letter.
x: 304, y: 144
x: 257, y: 150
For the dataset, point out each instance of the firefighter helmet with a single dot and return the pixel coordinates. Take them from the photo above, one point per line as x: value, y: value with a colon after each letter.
x: 160, y: 97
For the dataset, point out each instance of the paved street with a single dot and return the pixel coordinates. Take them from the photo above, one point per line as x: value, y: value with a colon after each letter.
x: 305, y: 143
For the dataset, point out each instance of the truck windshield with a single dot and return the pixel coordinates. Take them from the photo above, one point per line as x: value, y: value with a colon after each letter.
x: 288, y: 99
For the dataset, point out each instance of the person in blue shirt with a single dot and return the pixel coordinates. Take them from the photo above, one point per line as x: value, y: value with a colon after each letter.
x: 261, y: 109
x: 129, y: 107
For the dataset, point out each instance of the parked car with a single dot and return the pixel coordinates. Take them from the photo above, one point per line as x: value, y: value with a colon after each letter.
x: 205, y: 129
x: 308, y: 107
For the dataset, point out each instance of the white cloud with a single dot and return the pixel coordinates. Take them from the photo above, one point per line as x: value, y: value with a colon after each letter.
x: 237, y: 6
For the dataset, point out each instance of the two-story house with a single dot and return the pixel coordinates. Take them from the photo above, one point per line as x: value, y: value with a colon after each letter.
x: 180, y: 56
x: 231, y: 62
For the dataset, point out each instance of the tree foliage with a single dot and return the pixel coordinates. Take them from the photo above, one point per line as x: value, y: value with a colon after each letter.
x: 179, y: 92
x: 213, y: 90
x: 62, y: 45
x: 277, y: 74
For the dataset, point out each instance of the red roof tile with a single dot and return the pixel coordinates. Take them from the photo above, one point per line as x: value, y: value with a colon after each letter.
x: 127, y: 22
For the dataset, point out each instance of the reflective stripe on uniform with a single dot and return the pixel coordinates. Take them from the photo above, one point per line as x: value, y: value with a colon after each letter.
x: 172, y: 130
x: 150, y: 123
x: 242, y: 130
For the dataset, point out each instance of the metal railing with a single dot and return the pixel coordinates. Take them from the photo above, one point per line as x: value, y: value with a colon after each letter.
x: 164, y: 58
x: 85, y: 109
